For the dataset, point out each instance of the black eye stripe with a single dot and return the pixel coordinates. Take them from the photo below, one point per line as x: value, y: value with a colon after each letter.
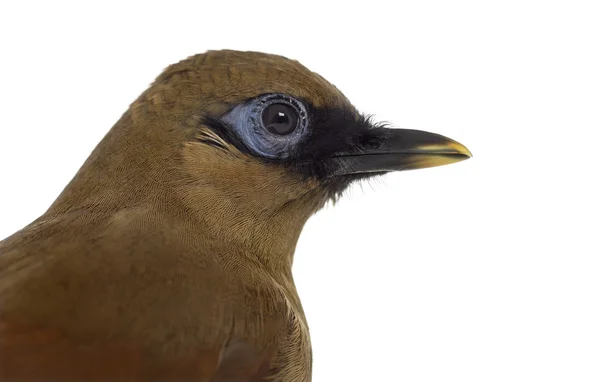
x: 320, y: 132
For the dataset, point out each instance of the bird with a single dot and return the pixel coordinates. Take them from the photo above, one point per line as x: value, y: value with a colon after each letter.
x: 168, y: 256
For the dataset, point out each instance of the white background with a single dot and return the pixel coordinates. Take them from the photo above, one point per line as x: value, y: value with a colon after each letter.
x: 486, y: 270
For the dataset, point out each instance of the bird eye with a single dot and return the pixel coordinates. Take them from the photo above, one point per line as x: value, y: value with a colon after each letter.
x: 280, y: 118
x: 270, y: 125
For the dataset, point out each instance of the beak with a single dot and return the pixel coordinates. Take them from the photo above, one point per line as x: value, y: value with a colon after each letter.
x: 400, y: 150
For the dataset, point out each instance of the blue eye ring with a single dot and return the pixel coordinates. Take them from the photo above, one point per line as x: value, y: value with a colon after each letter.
x: 246, y: 121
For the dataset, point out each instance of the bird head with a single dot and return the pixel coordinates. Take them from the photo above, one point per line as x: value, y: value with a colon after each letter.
x: 249, y: 143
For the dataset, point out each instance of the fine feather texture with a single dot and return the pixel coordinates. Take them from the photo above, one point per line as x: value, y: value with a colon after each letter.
x: 169, y: 254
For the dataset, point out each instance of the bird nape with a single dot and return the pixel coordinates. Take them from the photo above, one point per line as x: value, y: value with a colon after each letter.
x: 169, y: 254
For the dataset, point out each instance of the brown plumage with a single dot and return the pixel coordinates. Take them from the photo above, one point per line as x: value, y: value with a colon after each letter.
x: 169, y: 255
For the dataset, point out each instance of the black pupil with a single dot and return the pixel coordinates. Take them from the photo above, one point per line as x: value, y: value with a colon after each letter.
x: 280, y: 118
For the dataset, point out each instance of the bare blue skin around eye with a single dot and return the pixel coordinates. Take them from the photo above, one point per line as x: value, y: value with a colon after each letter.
x: 245, y: 120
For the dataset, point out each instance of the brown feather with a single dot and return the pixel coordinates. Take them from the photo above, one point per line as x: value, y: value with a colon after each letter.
x: 168, y: 256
